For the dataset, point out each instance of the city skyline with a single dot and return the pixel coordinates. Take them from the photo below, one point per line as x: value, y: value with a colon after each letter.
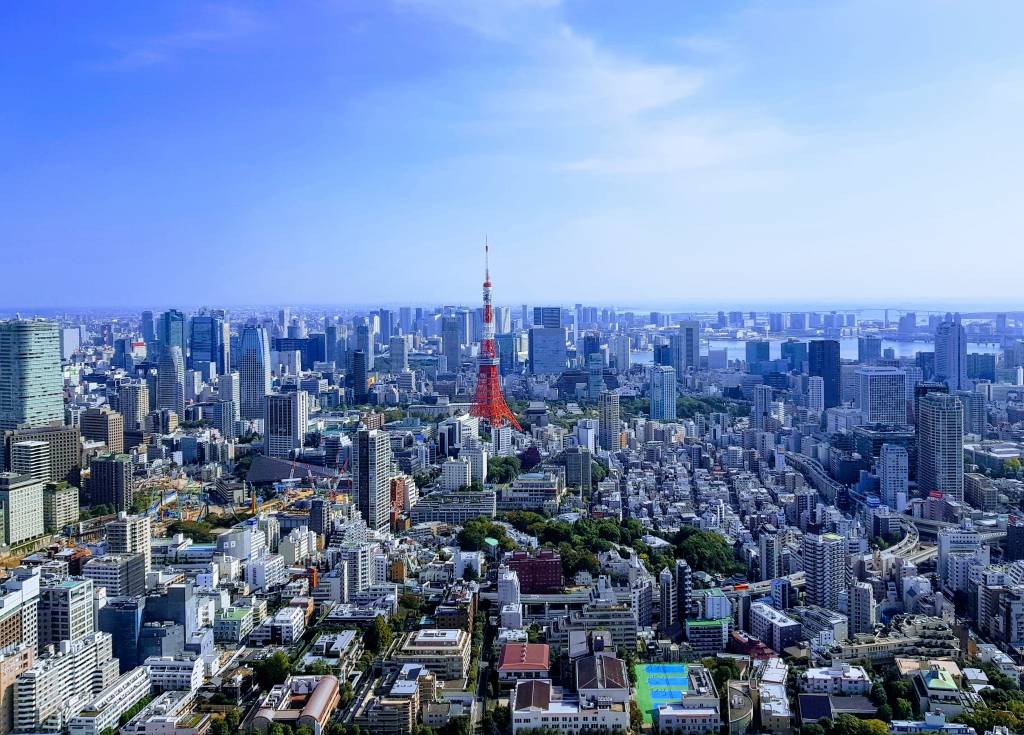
x: 793, y: 152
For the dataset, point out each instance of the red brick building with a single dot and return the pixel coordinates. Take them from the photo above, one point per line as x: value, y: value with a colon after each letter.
x: 538, y: 573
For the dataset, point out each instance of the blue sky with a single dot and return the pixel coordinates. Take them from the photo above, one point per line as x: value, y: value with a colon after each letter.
x: 637, y: 153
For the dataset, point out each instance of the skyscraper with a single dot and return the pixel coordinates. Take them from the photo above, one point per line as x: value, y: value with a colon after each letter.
x: 824, y: 565
x: 951, y: 353
x: 359, y: 378
x: 618, y: 352
x: 31, y: 386
x: 685, y: 347
x: 869, y: 349
x: 769, y: 551
x: 451, y: 344
x: 398, y: 349
x: 171, y: 330
x: 148, y: 327
x: 762, y: 408
x: 663, y: 393
x: 285, y: 417
x: 371, y: 477
x: 253, y: 370
x: 893, y: 471
x: 757, y: 352
x: 823, y: 362
x: 229, y: 389
x: 940, y: 445
x: 547, y: 350
x: 170, y: 381
x: 209, y: 342
x: 608, y: 421
x: 365, y: 342
x: 882, y: 395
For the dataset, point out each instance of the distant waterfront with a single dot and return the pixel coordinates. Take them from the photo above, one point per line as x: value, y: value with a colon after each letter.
x: 847, y: 348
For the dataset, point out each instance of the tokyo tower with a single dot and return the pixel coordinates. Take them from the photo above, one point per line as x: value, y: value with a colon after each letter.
x: 489, y: 402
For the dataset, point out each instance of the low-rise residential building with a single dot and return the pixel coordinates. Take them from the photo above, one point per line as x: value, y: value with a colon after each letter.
x: 698, y: 711
x: 444, y: 652
x: 175, y: 673
x: 104, y: 712
x: 841, y: 678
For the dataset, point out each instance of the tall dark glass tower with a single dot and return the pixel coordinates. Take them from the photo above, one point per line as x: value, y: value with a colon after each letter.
x: 823, y: 358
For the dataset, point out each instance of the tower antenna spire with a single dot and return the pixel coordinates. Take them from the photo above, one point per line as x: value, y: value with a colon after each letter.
x: 487, y: 260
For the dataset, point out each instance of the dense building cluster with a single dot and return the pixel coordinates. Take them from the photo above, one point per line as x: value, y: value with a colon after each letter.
x: 696, y: 522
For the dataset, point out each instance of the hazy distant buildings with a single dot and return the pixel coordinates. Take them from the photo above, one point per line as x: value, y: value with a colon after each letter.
x: 823, y: 362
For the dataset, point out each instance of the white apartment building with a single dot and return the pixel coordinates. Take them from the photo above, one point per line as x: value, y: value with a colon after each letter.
x: 175, y: 673
x: 105, y: 710
x: 60, y: 684
x: 841, y: 678
x: 456, y: 473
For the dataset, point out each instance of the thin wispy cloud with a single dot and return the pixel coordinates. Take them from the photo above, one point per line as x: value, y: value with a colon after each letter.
x: 217, y: 26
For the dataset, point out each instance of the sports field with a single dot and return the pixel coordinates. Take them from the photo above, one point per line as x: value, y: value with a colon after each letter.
x: 658, y: 684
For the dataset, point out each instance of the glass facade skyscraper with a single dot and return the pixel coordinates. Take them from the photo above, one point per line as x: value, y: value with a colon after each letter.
x: 31, y: 386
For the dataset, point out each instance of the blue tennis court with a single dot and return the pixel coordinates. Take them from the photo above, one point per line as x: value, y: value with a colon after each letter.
x: 659, y: 684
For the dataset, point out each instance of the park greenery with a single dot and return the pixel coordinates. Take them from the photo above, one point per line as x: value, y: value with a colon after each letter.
x: 502, y: 470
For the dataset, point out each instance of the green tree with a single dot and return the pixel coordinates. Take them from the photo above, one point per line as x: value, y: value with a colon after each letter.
x: 233, y: 718
x: 503, y: 470
x: 272, y: 670
x: 378, y: 636
x: 902, y: 710
x: 636, y: 717
x: 219, y: 727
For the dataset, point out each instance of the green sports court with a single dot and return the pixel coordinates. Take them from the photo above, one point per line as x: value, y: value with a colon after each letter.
x: 658, y: 684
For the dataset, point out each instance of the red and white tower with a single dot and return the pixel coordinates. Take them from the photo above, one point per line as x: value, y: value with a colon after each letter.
x: 489, y: 402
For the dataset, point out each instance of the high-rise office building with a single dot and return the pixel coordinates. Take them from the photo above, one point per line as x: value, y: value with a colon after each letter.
x: 133, y: 404
x: 365, y: 341
x: 65, y: 610
x: 547, y: 316
x: 170, y: 382
x: 762, y: 408
x: 21, y: 508
x: 823, y: 362
x: 794, y: 353
x: 757, y: 352
x: 667, y: 593
x: 148, y: 327
x: 359, y: 378
x: 451, y: 343
x: 869, y: 349
x: 825, y: 568
x: 285, y: 417
x: 663, y: 393
x: 209, y: 342
x: 129, y: 534
x: 371, y: 477
x: 31, y: 386
x: 229, y: 389
x: 619, y: 352
x: 253, y: 370
x: 399, y: 353
x: 685, y: 347
x: 32, y: 458
x: 893, y: 473
x: 951, y: 353
x: 608, y: 430
x: 882, y: 395
x: 940, y: 445
x: 170, y: 330
x: 111, y: 481
x: 547, y: 350
x: 975, y: 411
x: 103, y: 425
